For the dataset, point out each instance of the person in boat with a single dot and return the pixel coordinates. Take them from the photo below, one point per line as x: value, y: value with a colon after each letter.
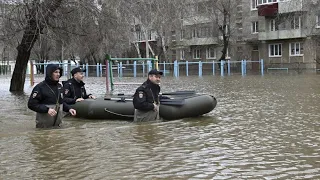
x: 146, y: 98
x: 47, y: 99
x: 74, y: 90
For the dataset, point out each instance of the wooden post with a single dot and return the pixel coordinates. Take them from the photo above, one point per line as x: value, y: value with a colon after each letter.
x: 31, y: 74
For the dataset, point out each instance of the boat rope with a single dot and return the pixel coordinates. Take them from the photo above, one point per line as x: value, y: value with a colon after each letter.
x: 105, y: 109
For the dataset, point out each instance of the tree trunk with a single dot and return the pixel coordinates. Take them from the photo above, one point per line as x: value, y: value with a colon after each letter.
x: 35, y: 25
x: 19, y: 73
x: 225, y: 33
x: 136, y: 45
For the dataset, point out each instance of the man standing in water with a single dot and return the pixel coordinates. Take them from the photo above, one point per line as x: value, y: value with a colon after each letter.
x: 47, y: 99
x: 146, y: 98
x: 74, y: 90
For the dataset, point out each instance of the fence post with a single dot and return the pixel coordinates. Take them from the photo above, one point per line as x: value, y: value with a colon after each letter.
x: 262, y: 66
x: 118, y: 69
x: 87, y: 70
x: 213, y: 68
x: 97, y: 69
x: 107, y: 76
x: 83, y: 65
x: 221, y: 67
x: 121, y: 69
x: 178, y: 68
x: 164, y: 68
x: 143, y: 70
x: 242, y: 67
x: 134, y: 68
x: 200, y: 68
x: 149, y: 65
x: 100, y: 69
x: 229, y: 68
x: 187, y: 68
x: 175, y: 68
x: 245, y: 66
x: 44, y: 69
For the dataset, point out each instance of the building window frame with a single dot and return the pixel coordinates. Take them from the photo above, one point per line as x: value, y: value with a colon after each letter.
x: 182, y: 54
x: 196, y: 53
x: 294, y: 23
x: 209, y: 52
x: 275, y: 50
x: 254, y: 5
x: 274, y: 25
x: 254, y: 27
x: 297, y: 49
x: 318, y: 20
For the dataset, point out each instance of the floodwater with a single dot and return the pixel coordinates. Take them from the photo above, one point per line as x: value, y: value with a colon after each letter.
x: 264, y: 127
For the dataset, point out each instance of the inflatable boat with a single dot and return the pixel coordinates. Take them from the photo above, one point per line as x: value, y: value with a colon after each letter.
x: 176, y: 105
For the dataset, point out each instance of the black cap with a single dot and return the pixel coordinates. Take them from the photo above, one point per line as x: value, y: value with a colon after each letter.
x: 77, y: 69
x: 155, y: 72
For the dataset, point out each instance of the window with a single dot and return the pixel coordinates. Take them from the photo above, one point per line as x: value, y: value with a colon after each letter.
x: 254, y: 28
x: 204, y: 32
x: 227, y: 54
x: 150, y: 35
x: 296, y: 49
x: 253, y: 4
x: 318, y: 21
x: 274, y: 25
x: 275, y: 50
x: 239, y: 8
x: 239, y: 25
x: 211, y: 53
x: 194, y: 32
x: 260, y: 2
x: 182, y: 34
x: 138, y: 36
x: 182, y: 57
x: 295, y: 22
x: 173, y: 35
x: 196, y: 54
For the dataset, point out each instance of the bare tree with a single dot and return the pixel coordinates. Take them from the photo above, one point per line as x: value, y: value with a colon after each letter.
x: 31, y: 19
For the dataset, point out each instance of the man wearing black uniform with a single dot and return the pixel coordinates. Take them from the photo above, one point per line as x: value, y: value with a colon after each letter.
x: 146, y: 98
x: 47, y: 99
x: 74, y: 90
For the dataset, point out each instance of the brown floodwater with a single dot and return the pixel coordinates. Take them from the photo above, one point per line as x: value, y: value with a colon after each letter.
x: 264, y: 127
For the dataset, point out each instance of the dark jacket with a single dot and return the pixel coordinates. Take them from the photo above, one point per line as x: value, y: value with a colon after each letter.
x: 73, y: 90
x: 146, y: 95
x: 47, y: 92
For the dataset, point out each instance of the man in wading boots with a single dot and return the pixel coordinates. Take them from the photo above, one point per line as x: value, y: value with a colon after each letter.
x: 47, y: 99
x: 146, y: 98
x: 74, y: 90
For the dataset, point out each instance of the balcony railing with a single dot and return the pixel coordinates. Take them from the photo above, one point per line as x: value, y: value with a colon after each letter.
x: 282, y: 34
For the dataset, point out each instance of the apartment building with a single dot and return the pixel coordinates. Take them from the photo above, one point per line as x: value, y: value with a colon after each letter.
x: 285, y: 33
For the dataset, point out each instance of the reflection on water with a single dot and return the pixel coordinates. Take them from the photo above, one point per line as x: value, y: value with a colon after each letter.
x: 264, y: 127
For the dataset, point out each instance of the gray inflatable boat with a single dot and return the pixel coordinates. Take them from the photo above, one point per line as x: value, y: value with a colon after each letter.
x: 182, y: 104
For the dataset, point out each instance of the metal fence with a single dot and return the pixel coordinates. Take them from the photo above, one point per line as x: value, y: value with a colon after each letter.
x: 176, y: 68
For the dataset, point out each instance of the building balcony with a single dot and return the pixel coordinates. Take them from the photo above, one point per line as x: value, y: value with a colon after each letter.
x: 281, y: 7
x: 282, y: 34
x: 196, y: 20
x: 290, y: 6
x: 198, y: 41
x: 268, y: 9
